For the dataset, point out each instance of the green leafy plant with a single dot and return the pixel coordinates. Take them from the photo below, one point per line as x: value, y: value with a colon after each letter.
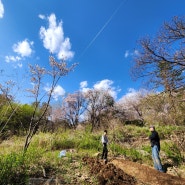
x: 89, y: 142
x: 13, y: 169
x: 117, y: 149
x: 173, y: 153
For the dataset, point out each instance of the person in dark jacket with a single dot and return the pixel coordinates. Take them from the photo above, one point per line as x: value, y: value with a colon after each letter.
x: 155, y: 144
x: 104, y: 141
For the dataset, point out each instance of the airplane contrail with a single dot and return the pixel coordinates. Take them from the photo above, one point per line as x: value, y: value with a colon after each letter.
x: 103, y: 27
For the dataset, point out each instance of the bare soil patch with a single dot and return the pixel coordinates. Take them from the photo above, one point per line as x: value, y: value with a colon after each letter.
x: 124, y: 172
x: 108, y: 174
x: 147, y: 175
x: 117, y: 171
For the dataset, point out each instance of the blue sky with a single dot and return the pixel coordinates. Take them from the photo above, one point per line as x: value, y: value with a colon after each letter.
x: 100, y: 35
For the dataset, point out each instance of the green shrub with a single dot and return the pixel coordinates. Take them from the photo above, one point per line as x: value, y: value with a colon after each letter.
x: 38, y: 159
x: 135, y: 131
x: 89, y: 142
x: 117, y: 149
x: 134, y: 155
x: 131, y: 153
x: 13, y: 169
x: 135, y: 122
x: 173, y: 152
x: 63, y: 144
x: 34, y: 154
x: 164, y: 132
x: 56, y: 141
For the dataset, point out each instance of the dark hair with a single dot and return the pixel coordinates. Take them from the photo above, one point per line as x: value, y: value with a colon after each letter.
x: 152, y: 126
x: 105, y: 131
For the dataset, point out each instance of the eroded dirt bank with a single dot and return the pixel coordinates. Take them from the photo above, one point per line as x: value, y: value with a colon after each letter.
x: 146, y: 174
x: 123, y: 172
x: 108, y: 174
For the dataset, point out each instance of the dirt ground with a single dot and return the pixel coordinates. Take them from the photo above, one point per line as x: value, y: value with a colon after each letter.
x: 108, y: 174
x: 123, y: 172
x: 117, y: 171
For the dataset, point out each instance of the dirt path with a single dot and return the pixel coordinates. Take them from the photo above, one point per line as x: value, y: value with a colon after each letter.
x: 145, y: 174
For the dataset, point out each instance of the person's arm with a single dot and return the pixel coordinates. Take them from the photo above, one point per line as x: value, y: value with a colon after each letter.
x: 107, y: 140
x: 102, y: 139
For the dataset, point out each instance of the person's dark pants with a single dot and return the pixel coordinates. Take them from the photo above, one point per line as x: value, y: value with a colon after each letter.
x: 105, y: 151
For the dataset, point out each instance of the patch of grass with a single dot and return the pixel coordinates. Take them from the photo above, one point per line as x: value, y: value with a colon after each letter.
x: 15, y: 144
x: 42, y: 140
x: 13, y: 169
x: 117, y: 149
x: 65, y: 143
x: 136, y: 131
x: 146, y: 148
x: 55, y: 141
x: 134, y: 155
x: 166, y: 131
x: 127, y: 152
x: 43, y: 152
x: 173, y: 152
x: 89, y: 142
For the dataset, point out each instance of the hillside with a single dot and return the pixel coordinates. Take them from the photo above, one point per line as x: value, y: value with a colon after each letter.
x: 129, y: 156
x: 119, y: 172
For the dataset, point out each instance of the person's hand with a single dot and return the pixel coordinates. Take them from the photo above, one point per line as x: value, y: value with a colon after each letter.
x: 146, y: 138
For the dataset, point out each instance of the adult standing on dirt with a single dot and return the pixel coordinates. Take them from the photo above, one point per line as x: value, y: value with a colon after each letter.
x: 155, y: 144
x: 104, y: 141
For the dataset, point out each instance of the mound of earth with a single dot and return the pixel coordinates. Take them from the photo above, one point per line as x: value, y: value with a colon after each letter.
x: 108, y: 174
x: 123, y: 172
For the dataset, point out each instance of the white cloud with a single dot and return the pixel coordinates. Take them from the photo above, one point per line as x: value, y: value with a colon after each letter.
x: 23, y: 48
x: 12, y: 58
x: 106, y: 85
x: 103, y: 85
x: 133, y: 95
x: 83, y: 84
x: 54, y: 40
x: 41, y: 16
x: 15, y: 60
x: 131, y: 54
x: 58, y: 91
x: 126, y: 53
x: 1, y: 9
x: 19, y: 65
x: 136, y: 52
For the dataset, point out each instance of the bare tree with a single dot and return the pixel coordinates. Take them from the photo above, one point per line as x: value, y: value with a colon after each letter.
x: 97, y: 103
x: 161, y: 61
x: 131, y: 104
x: 162, y: 58
x: 58, y: 70
x: 71, y: 109
x: 75, y: 105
